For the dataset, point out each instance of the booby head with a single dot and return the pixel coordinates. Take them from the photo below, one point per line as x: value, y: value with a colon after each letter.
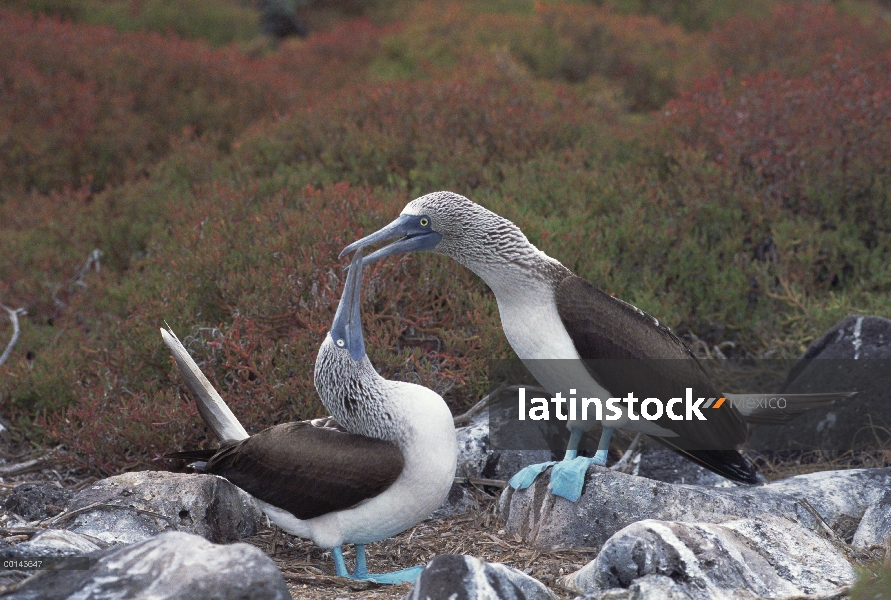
x: 346, y: 330
x: 345, y: 379
x: 450, y: 224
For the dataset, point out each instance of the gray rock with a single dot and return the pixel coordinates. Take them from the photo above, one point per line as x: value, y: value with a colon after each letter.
x: 205, y: 505
x: 769, y: 557
x: 671, y: 467
x: 458, y: 502
x: 459, y: 577
x: 172, y: 565
x: 854, y: 355
x: 34, y: 501
x: 477, y: 458
x: 875, y: 526
x: 611, y: 501
x: 645, y: 588
x: 52, y: 542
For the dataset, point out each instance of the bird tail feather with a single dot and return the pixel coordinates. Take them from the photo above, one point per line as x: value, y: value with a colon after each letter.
x: 767, y: 408
x: 726, y: 463
x: 198, y: 458
x: 212, y: 408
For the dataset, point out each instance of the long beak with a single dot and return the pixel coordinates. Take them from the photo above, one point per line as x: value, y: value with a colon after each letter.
x: 414, y: 238
x: 348, y: 318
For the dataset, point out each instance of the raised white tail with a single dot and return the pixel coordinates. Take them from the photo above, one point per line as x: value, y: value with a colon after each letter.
x: 212, y: 408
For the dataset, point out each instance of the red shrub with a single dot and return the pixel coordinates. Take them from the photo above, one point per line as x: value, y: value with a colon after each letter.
x: 331, y: 59
x: 421, y: 135
x: 647, y: 56
x: 794, y: 39
x: 82, y: 104
x: 251, y: 289
x: 817, y: 145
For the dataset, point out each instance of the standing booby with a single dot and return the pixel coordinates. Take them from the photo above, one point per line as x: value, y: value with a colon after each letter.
x: 385, y: 465
x: 549, y: 313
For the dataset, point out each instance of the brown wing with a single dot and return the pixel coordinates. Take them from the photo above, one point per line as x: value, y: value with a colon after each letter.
x: 309, y: 470
x: 627, y: 350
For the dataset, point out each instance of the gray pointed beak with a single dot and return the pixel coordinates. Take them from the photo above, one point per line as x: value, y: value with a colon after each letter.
x: 346, y: 330
x: 413, y: 236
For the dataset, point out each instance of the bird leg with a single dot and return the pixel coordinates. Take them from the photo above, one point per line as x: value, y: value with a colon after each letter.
x: 339, y: 564
x: 568, y: 476
x: 361, y: 572
x: 527, y: 475
x: 572, y: 448
x: 603, y: 447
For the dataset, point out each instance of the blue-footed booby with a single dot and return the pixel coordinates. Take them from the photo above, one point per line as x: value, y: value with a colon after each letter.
x: 561, y: 326
x: 385, y: 464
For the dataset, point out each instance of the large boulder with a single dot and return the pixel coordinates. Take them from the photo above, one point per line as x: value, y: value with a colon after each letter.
x: 477, y: 457
x: 459, y: 577
x: 133, y: 507
x: 768, y: 556
x: 611, y: 501
x: 854, y: 355
x: 172, y: 566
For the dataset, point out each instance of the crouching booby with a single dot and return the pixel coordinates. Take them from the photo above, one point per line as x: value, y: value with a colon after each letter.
x: 549, y: 313
x: 385, y: 465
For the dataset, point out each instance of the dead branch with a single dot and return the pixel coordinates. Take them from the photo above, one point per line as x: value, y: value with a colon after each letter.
x: 92, y: 262
x: 14, y: 317
x: 327, y: 580
x: 500, y: 483
x: 629, y: 453
x: 72, y: 513
x: 25, y: 467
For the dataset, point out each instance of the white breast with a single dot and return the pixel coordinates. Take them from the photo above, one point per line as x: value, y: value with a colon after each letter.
x: 430, y: 451
x: 535, y: 331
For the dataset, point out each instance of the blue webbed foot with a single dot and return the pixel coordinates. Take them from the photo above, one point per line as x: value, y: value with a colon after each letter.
x: 404, y: 576
x: 527, y: 475
x: 361, y: 572
x: 568, y: 476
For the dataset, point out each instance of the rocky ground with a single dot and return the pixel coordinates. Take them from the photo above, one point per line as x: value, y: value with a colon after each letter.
x: 307, y: 569
x: 651, y: 525
x: 477, y: 526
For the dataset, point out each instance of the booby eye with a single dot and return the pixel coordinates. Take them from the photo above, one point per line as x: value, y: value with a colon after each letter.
x: 340, y: 343
x: 424, y: 221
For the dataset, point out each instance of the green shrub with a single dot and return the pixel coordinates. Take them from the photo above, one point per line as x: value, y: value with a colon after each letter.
x: 216, y: 21
x: 219, y: 189
x: 419, y: 136
x: 794, y: 39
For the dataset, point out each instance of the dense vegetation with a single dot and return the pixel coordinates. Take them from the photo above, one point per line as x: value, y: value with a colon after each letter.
x: 726, y: 171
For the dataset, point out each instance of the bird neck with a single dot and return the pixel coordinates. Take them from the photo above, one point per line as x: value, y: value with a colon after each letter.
x: 356, y: 395
x: 499, y: 252
x: 517, y: 271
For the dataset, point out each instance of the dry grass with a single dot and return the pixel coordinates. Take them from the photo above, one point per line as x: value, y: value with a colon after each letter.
x: 778, y: 466
x: 309, y: 569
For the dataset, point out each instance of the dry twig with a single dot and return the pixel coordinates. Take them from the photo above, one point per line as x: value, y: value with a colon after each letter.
x: 72, y: 513
x: 25, y: 467
x: 14, y: 317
